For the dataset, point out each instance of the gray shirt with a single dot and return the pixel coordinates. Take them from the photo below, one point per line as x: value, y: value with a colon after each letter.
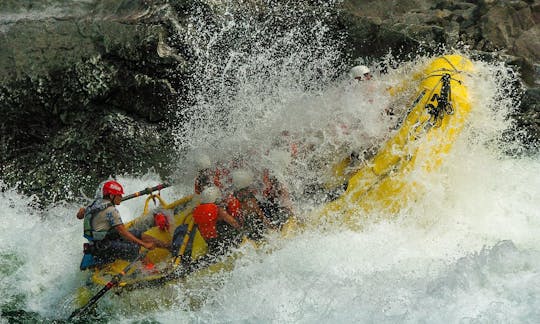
x: 106, y: 219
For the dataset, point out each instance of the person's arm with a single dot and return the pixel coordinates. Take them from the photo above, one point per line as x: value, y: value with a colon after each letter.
x: 197, y: 187
x: 223, y: 215
x: 122, y: 230
x: 286, y: 201
x: 254, y: 206
x: 80, y: 213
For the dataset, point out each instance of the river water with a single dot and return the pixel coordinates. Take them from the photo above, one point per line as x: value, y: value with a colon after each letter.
x: 467, y: 250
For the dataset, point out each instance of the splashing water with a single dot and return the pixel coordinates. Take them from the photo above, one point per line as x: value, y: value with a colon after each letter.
x: 466, y: 251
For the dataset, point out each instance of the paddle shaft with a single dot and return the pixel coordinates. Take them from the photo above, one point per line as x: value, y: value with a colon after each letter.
x: 146, y: 191
x: 114, y: 281
x: 185, y: 242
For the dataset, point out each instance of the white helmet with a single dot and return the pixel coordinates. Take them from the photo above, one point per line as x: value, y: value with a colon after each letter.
x: 210, y: 195
x: 359, y: 71
x: 242, y: 178
x: 203, y: 161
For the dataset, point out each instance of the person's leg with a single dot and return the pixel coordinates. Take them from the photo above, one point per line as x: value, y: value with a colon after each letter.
x: 120, y: 249
x: 129, y: 251
x: 147, y: 238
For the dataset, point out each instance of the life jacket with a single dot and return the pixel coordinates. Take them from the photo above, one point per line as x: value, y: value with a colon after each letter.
x: 233, y: 206
x: 205, y: 216
x: 90, y: 212
x: 217, y: 178
x: 272, y: 193
x: 293, y: 147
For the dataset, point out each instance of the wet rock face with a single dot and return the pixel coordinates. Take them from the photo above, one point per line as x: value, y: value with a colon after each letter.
x: 86, y: 86
x: 84, y: 94
x: 528, y: 115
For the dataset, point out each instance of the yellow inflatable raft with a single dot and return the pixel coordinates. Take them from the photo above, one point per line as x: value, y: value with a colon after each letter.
x: 434, y: 120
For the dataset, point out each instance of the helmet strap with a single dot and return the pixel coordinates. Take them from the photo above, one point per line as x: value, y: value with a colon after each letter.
x: 110, y: 198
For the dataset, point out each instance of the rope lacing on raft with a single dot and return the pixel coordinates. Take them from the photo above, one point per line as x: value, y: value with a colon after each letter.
x: 443, y: 99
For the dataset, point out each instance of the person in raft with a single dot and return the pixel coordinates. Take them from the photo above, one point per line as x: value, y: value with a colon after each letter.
x: 212, y: 220
x: 108, y: 237
x: 245, y: 207
x: 275, y: 203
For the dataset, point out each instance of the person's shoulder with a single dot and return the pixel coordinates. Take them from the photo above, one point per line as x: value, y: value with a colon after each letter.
x: 112, y: 210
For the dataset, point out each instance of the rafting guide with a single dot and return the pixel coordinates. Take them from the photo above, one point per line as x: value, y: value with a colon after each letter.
x: 108, y: 238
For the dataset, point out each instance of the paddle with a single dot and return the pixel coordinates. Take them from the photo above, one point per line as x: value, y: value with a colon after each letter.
x: 81, y: 212
x: 146, y: 191
x: 182, y: 250
x: 114, y: 281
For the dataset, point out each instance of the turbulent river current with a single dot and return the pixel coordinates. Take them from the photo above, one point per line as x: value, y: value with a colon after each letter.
x: 467, y: 250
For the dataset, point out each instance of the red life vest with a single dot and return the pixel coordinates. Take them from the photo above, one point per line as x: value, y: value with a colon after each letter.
x: 217, y: 178
x: 233, y: 206
x: 205, y: 216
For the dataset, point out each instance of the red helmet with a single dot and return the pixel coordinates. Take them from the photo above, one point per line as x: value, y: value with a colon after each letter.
x: 112, y: 187
x: 161, y: 221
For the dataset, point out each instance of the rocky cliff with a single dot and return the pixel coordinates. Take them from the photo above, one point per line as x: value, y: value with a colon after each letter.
x: 86, y: 87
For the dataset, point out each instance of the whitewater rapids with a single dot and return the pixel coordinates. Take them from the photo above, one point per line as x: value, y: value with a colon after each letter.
x: 468, y: 251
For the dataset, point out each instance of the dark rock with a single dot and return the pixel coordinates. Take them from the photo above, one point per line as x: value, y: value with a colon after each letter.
x: 528, y: 44
x: 526, y: 69
x: 528, y: 118
x: 84, y: 97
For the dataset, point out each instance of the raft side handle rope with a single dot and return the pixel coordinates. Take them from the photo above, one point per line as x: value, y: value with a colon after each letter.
x: 442, y: 75
x: 444, y: 105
